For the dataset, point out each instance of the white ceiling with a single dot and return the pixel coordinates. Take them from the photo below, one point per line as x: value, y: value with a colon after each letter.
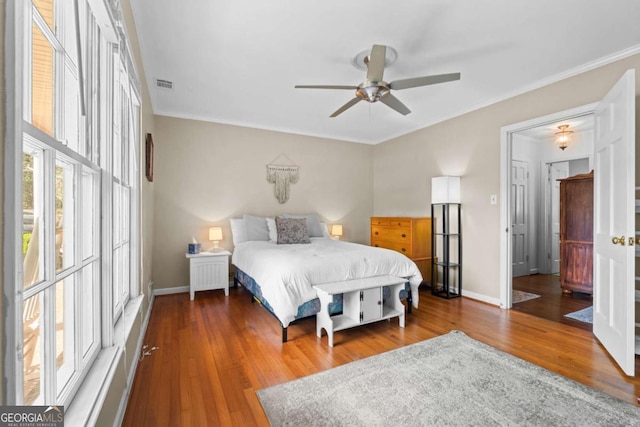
x: 547, y: 132
x: 237, y: 61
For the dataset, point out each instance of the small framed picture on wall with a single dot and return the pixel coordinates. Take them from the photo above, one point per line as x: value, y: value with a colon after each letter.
x: 149, y: 157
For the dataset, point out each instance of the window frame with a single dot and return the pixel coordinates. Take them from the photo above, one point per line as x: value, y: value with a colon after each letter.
x: 19, y: 22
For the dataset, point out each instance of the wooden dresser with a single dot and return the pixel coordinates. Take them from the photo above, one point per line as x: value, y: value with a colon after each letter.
x: 576, y: 233
x: 410, y: 236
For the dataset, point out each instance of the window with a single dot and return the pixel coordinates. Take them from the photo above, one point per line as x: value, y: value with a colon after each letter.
x: 78, y: 141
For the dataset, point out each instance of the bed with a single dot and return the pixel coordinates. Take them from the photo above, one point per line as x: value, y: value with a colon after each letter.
x: 281, y: 276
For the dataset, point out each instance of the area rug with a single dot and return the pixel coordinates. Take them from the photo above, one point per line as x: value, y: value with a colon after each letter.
x: 521, y: 296
x: 584, y: 315
x: 449, y: 380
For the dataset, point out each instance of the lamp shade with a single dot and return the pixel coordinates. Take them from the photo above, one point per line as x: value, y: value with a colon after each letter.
x: 215, y: 233
x: 563, y: 137
x: 445, y: 189
x: 336, y: 230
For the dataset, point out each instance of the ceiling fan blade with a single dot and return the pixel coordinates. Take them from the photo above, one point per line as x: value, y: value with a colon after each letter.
x: 325, y: 87
x: 395, y: 103
x: 375, y: 64
x: 346, y: 106
x: 423, y: 81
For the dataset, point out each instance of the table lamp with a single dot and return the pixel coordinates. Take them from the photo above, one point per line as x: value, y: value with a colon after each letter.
x: 336, y: 231
x: 215, y: 235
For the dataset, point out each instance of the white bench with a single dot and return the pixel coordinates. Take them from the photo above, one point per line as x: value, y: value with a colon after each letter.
x: 362, y: 303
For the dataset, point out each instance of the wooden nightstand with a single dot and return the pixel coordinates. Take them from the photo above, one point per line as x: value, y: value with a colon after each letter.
x: 208, y: 270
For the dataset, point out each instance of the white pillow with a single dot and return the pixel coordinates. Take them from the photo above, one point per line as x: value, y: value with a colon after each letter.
x: 313, y: 225
x: 325, y: 229
x: 273, y: 230
x: 256, y: 228
x: 238, y: 232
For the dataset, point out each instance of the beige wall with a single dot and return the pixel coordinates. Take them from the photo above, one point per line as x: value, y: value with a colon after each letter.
x: 206, y: 173
x: 469, y: 146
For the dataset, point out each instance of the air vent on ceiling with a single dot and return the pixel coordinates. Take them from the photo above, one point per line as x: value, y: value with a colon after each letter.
x: 164, y: 84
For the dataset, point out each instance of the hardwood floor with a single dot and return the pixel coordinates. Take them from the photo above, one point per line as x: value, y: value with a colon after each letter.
x: 552, y: 304
x: 216, y: 351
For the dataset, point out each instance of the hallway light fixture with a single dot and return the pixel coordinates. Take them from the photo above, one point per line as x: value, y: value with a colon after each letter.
x: 563, y: 137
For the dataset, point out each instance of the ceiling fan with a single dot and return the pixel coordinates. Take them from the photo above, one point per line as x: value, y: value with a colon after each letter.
x: 375, y: 89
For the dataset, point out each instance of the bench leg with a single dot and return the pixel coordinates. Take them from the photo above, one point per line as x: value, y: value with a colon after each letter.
x: 397, y: 304
x: 323, y: 319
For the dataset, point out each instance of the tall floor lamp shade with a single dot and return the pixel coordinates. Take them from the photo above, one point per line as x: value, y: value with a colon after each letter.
x: 445, y: 189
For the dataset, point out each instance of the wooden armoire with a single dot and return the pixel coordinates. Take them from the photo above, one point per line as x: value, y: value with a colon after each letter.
x: 576, y: 233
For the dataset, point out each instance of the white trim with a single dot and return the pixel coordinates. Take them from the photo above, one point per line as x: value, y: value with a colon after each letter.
x: 88, y: 401
x: 104, y: 18
x: 170, y: 291
x: 127, y: 320
x: 505, y: 185
x: 12, y: 297
x: 481, y: 297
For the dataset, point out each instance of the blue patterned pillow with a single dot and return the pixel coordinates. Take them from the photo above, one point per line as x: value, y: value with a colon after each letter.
x: 292, y: 230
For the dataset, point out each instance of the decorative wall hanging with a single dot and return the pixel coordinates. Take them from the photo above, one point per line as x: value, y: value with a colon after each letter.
x: 281, y: 176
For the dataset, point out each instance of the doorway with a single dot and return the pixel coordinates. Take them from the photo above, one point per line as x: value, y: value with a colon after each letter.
x: 614, y: 210
x: 536, y: 165
x: 519, y: 143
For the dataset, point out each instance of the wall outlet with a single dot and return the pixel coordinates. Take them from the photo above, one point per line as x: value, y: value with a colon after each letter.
x: 494, y: 199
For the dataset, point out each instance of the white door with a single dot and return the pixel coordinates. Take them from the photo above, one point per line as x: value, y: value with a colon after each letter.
x: 614, y: 177
x: 557, y: 171
x: 519, y: 218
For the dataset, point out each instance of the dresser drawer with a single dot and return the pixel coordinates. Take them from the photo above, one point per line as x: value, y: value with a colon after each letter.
x: 391, y: 234
x: 400, y: 222
x: 379, y: 221
x: 402, y: 247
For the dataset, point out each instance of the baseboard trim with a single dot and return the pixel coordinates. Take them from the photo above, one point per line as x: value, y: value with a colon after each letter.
x: 481, y: 297
x: 170, y: 291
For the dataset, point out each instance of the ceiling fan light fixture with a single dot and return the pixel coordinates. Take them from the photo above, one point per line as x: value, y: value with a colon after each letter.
x: 374, y: 88
x: 361, y: 59
x: 563, y: 137
x: 372, y: 93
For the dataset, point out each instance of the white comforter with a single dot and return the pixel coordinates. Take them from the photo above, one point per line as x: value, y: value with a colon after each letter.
x: 286, y: 273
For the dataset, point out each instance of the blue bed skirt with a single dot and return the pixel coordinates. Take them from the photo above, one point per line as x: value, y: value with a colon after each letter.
x: 309, y: 308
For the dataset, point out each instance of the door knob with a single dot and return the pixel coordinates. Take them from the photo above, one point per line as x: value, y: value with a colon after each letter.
x: 617, y: 240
